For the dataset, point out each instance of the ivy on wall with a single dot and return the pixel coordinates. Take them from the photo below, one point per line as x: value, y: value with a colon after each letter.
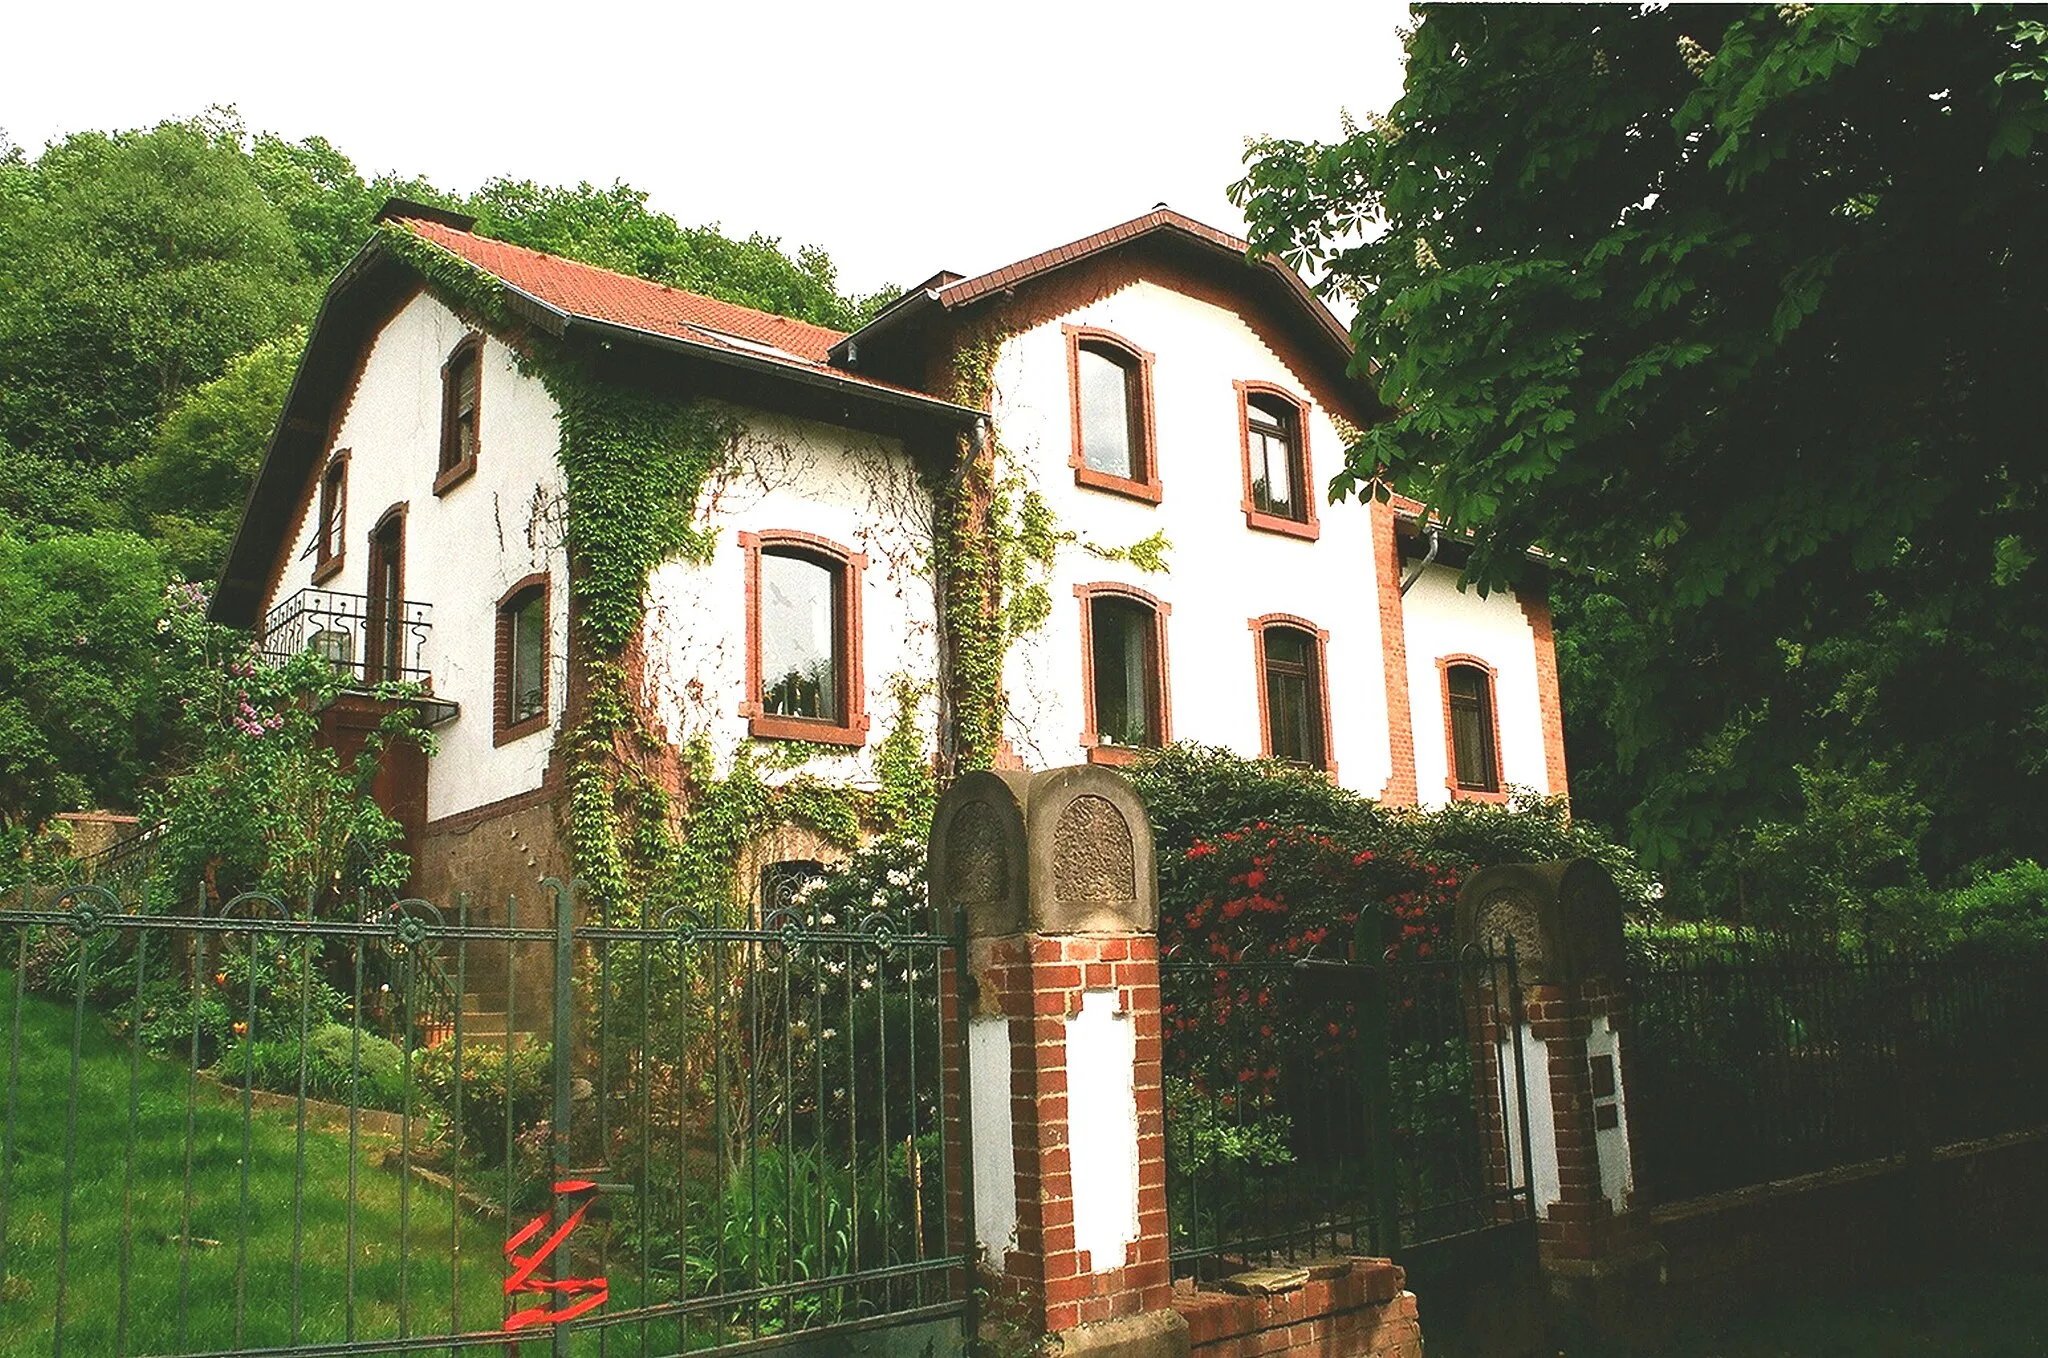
x: 636, y: 463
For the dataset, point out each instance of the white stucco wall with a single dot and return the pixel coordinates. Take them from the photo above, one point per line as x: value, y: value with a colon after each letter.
x: 1535, y: 1068
x: 1222, y: 573
x: 858, y: 491
x: 463, y: 549
x: 989, y: 1056
x: 1441, y: 621
x: 1617, y: 1173
x: 1102, y: 1129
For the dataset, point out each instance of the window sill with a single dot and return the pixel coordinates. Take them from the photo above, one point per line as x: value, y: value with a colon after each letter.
x: 853, y: 734
x: 1116, y: 755
x: 1477, y: 794
x: 327, y: 570
x: 507, y: 734
x: 1307, y: 531
x: 455, y: 476
x: 1151, y: 492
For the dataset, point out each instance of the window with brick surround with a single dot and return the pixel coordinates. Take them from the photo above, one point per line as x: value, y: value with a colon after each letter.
x: 1471, y: 730
x: 462, y: 378
x: 803, y: 639
x: 330, y: 533
x: 1279, y: 490
x: 1125, y: 695
x: 1111, y: 390
x: 522, y: 668
x: 1294, y: 693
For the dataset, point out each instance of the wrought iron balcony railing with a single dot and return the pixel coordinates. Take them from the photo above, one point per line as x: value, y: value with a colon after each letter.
x: 369, y: 639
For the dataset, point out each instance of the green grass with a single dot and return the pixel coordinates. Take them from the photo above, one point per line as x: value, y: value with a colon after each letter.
x: 184, y: 1300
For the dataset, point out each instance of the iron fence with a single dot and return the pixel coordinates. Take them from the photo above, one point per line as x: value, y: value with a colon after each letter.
x: 1318, y: 1107
x: 223, y: 1133
x: 362, y: 637
x: 1754, y: 1064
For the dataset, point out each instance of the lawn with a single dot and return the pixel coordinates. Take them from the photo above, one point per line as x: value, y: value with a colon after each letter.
x: 269, y: 1265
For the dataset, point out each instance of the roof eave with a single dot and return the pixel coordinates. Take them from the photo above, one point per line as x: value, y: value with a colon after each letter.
x: 821, y: 379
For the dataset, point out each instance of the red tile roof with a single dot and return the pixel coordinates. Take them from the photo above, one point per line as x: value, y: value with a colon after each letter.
x: 600, y: 294
x: 1010, y: 275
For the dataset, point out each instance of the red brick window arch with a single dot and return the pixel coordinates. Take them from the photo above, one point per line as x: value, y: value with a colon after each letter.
x: 523, y: 663
x: 804, y: 678
x: 1279, y: 485
x: 1293, y: 676
x: 1126, y: 699
x: 1110, y: 384
x: 1471, y: 729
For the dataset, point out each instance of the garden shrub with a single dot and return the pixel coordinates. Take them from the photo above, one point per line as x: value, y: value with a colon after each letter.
x: 494, y: 1085
x: 342, y: 1065
x: 2008, y: 906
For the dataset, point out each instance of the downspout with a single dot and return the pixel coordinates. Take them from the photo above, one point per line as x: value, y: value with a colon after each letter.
x: 1435, y: 539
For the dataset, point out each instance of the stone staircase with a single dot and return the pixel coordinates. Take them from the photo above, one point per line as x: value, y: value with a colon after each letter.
x: 484, y: 1023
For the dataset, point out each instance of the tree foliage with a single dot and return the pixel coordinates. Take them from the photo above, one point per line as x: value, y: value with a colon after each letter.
x: 84, y: 705
x: 1739, y: 312
x: 189, y: 487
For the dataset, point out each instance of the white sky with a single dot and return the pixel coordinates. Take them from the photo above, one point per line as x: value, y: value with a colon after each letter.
x: 902, y: 137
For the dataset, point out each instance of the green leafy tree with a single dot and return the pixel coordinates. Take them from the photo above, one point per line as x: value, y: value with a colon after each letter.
x: 133, y: 265
x: 188, y: 489
x: 85, y: 705
x: 614, y: 229
x: 1739, y: 311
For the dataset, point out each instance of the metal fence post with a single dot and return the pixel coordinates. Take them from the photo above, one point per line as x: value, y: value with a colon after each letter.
x: 563, y: 1051
x: 1375, y: 1070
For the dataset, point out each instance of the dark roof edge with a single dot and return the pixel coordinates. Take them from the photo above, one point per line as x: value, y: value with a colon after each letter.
x: 823, y: 378
x: 399, y: 209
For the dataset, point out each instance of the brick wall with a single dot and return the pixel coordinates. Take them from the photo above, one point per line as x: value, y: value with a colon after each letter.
x: 1346, y: 1308
x: 1037, y: 983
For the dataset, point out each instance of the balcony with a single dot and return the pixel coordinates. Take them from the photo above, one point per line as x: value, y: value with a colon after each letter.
x: 368, y: 640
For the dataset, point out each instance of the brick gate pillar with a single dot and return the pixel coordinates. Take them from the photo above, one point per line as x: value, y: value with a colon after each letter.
x: 1593, y: 1245
x: 1060, y: 1051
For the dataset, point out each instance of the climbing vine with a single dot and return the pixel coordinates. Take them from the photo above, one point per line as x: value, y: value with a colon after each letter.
x: 636, y: 462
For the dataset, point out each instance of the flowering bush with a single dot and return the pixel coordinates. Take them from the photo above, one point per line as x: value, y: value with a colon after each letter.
x: 260, y: 805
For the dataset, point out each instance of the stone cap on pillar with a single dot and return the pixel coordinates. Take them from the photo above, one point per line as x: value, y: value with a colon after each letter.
x: 1565, y: 918
x: 1064, y: 851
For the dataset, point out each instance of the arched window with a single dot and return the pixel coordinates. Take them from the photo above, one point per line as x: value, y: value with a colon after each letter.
x: 1112, y: 409
x: 1124, y: 688
x: 782, y: 883
x: 1279, y: 493
x: 522, y: 685
x: 1294, y: 693
x: 461, y: 407
x: 331, y: 534
x: 1471, y: 732
x: 803, y: 639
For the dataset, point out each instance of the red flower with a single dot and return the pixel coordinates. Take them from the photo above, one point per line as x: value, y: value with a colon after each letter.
x: 1255, y: 879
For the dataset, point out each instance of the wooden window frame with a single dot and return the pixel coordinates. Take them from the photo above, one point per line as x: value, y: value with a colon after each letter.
x: 451, y: 473
x: 1144, y: 433
x: 851, y: 569
x: 378, y: 667
x: 1305, y: 527
x: 1498, y: 793
x: 1091, y: 736
x: 504, y: 728
x: 1293, y: 622
x: 330, y: 519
